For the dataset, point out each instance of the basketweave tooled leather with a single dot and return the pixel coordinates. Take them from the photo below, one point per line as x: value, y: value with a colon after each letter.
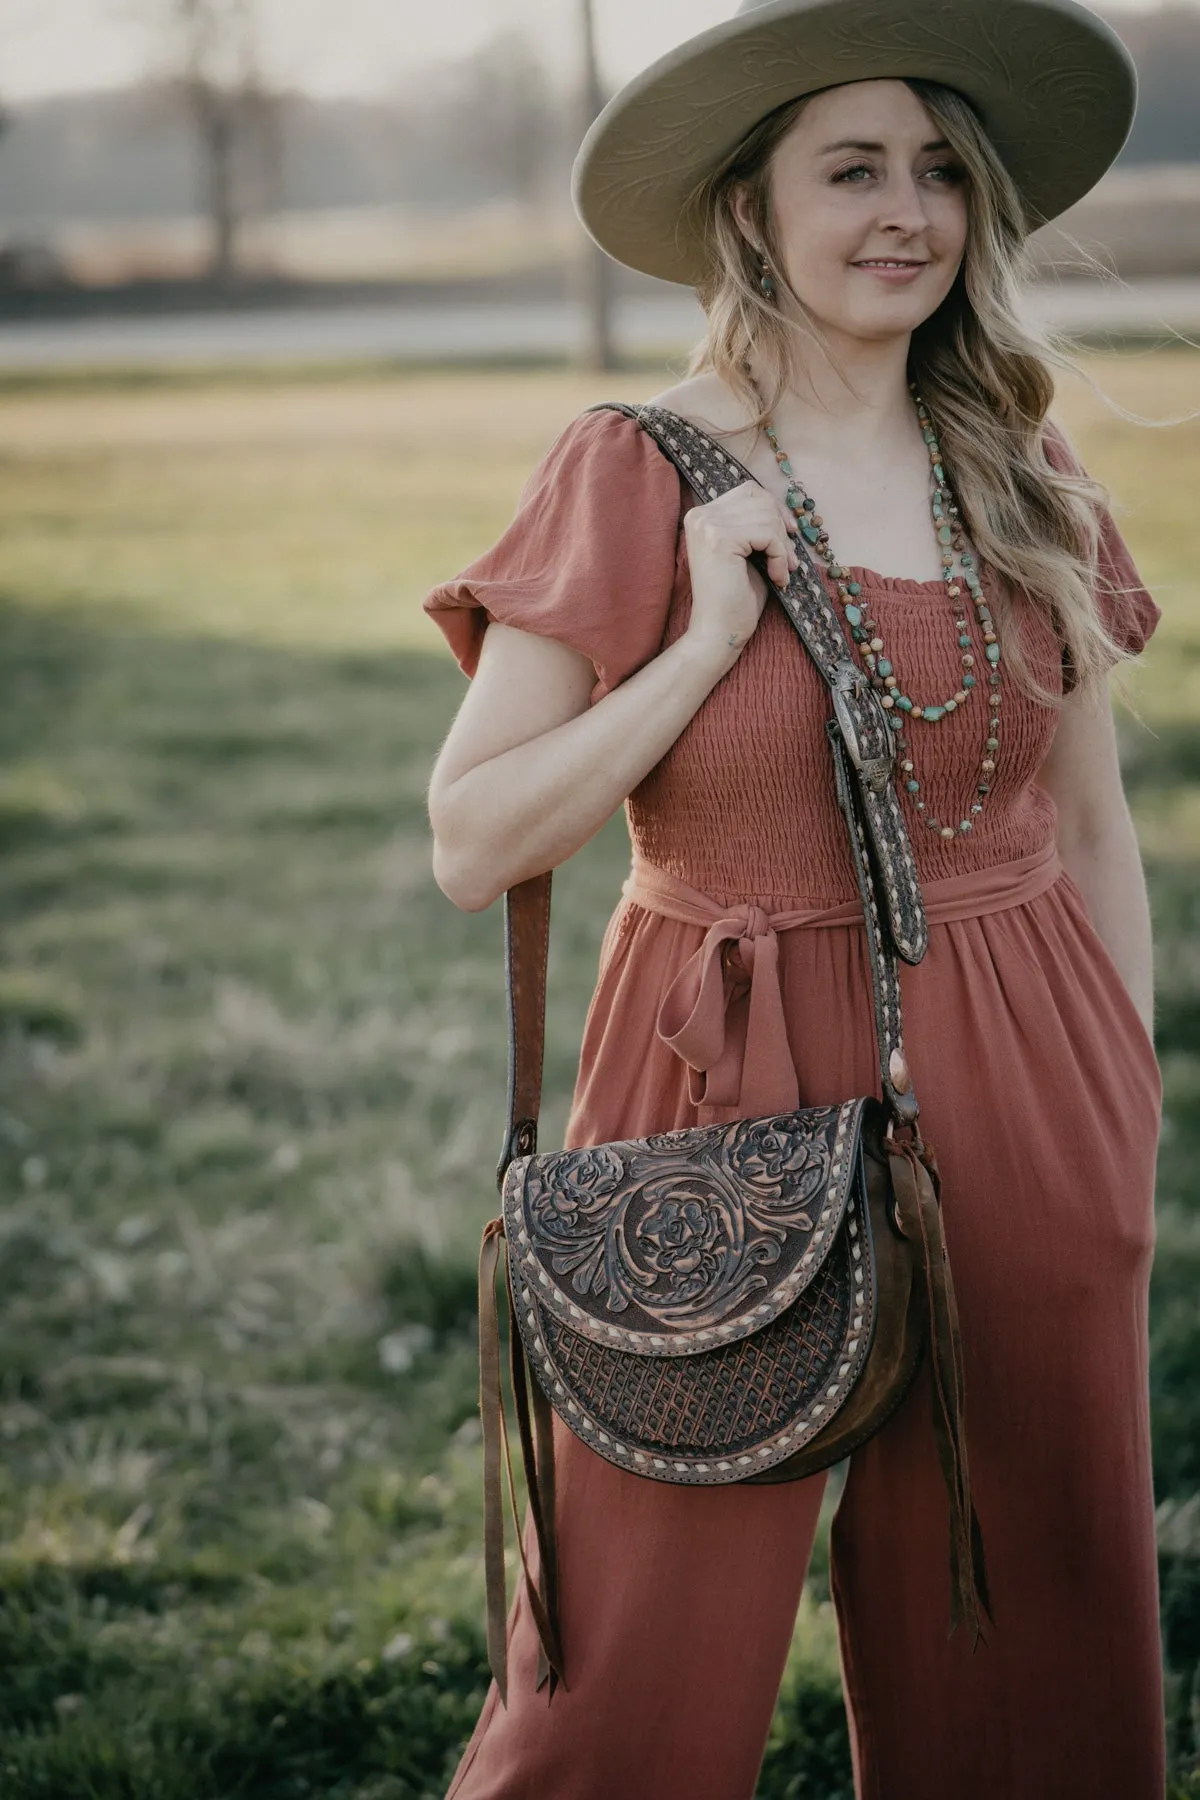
x: 739, y: 1302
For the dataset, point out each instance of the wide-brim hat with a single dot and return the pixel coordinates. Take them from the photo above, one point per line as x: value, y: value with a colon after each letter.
x: 1053, y: 85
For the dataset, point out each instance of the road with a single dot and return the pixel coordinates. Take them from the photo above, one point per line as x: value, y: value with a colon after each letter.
x: 464, y: 332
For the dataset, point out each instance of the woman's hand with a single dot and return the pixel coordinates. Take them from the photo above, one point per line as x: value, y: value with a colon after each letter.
x: 727, y: 594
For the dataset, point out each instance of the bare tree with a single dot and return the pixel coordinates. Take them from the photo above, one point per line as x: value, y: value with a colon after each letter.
x: 214, y: 48
x: 508, y: 117
x: 211, y: 105
x: 487, y: 124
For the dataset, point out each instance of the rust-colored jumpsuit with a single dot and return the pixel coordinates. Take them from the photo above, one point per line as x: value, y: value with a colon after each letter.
x: 1040, y: 1093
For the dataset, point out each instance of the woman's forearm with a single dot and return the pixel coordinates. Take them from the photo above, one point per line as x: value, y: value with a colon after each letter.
x: 531, y: 807
x: 1107, y: 869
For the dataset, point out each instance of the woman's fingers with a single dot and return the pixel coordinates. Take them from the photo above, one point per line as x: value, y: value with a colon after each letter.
x: 778, y: 549
x: 722, y: 535
x: 777, y: 545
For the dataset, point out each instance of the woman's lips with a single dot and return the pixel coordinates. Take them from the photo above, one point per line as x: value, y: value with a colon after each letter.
x: 896, y: 272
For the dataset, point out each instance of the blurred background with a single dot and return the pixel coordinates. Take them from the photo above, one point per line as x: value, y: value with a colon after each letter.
x: 291, y: 302
x: 184, y: 179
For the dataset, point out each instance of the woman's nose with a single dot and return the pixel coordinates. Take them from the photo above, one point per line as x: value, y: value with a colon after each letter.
x: 904, y: 208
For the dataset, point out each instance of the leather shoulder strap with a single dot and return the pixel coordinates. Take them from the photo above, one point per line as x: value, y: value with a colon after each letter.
x: 526, y: 952
x: 861, y: 744
x: 711, y: 471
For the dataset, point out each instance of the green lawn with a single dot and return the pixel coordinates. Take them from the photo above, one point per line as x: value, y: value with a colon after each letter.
x: 251, y: 1067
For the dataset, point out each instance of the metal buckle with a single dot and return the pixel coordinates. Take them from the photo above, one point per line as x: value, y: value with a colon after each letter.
x: 849, y: 683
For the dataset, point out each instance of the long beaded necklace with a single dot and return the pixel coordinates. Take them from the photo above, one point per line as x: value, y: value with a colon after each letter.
x: 864, y: 630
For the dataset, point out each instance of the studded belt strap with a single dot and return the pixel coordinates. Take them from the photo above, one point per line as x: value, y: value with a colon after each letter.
x: 860, y: 741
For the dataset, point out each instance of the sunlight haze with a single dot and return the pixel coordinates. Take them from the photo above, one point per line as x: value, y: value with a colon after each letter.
x: 331, y: 47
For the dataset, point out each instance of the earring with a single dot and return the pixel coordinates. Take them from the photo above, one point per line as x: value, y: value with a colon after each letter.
x: 764, y: 280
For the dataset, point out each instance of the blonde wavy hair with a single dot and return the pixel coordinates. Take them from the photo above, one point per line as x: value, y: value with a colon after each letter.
x: 984, y: 373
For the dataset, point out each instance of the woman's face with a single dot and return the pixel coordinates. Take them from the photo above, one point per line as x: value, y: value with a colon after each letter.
x: 870, y: 210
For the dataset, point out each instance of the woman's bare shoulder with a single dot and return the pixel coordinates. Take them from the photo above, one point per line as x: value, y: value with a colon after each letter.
x: 707, y: 402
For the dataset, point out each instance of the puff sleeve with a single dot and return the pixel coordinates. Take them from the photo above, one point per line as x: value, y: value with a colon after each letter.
x: 589, y: 559
x: 1122, y: 600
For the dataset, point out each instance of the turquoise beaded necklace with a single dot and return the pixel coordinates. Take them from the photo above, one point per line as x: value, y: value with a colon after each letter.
x: 959, y: 571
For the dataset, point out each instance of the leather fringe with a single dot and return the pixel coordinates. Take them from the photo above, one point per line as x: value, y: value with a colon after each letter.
x: 917, y: 1188
x: 534, y: 1425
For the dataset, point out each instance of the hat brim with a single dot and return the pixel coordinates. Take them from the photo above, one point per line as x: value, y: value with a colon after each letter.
x: 1053, y: 84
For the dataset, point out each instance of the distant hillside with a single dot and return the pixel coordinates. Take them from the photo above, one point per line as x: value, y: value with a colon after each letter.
x: 133, y: 154
x: 490, y: 128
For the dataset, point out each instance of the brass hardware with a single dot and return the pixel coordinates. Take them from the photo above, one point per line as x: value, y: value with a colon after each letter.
x: 849, y: 682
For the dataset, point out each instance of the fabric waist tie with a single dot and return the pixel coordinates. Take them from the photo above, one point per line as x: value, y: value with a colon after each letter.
x: 723, y: 1013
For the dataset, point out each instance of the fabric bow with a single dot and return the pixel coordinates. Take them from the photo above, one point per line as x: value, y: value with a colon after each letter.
x: 723, y: 1014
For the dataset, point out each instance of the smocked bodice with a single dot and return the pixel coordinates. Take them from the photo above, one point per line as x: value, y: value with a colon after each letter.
x: 742, y: 806
x: 743, y: 803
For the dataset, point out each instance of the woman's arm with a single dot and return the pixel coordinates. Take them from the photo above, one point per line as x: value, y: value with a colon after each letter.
x: 530, y: 771
x: 1096, y: 837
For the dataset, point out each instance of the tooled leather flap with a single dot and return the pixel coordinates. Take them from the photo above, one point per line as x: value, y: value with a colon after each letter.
x: 678, y: 1243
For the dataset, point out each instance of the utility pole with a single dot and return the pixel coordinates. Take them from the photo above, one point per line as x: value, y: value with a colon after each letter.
x: 595, y: 271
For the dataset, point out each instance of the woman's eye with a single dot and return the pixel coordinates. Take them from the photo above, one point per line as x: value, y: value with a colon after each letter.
x: 946, y: 174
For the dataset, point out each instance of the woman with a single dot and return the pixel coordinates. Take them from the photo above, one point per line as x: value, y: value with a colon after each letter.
x: 848, y: 185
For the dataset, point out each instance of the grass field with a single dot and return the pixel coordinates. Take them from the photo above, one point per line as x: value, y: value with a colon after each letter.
x: 251, y: 1064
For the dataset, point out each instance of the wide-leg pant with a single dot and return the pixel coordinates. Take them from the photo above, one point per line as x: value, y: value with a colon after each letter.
x: 678, y: 1604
